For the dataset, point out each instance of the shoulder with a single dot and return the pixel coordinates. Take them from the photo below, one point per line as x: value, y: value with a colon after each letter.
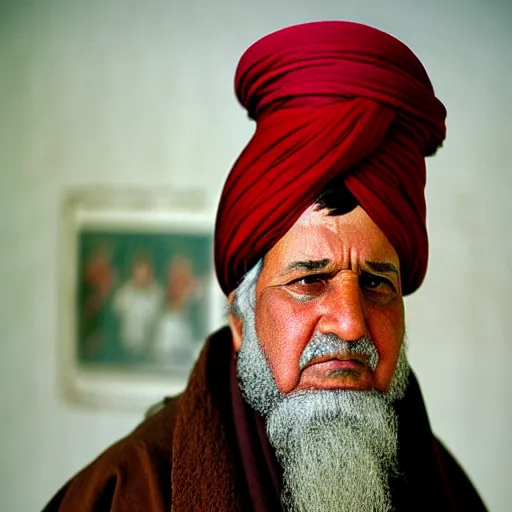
x: 132, y: 474
x: 463, y: 494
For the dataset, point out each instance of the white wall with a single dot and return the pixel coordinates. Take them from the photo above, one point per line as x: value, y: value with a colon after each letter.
x: 126, y: 92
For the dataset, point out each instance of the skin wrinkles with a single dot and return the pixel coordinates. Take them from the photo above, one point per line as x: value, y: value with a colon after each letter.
x: 378, y: 267
x: 329, y: 275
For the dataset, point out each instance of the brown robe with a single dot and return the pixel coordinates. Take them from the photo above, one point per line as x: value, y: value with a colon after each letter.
x: 206, y: 450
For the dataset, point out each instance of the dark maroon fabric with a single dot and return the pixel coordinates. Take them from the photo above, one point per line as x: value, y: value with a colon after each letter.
x: 330, y: 98
x: 260, y: 468
x: 206, y: 451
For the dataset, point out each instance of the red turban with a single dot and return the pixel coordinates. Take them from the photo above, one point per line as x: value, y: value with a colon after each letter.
x: 330, y: 98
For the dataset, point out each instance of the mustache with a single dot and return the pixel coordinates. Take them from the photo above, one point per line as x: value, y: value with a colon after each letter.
x: 322, y: 345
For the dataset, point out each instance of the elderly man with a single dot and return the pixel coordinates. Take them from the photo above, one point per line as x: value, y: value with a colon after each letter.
x: 306, y: 402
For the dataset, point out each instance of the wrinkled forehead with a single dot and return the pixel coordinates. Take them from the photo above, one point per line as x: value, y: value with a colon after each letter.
x: 348, y: 239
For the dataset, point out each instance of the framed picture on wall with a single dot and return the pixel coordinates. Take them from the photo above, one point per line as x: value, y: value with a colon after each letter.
x: 138, y: 294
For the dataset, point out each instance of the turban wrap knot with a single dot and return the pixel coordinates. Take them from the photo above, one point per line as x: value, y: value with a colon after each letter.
x: 330, y: 98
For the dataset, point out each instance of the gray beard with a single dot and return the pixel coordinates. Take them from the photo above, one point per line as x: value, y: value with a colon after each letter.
x: 337, y: 448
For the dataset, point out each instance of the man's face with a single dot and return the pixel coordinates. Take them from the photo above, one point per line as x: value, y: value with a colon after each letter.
x: 319, y: 332
x: 141, y: 273
x: 330, y: 275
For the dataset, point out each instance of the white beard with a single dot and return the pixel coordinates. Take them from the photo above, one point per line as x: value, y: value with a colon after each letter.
x: 337, y: 448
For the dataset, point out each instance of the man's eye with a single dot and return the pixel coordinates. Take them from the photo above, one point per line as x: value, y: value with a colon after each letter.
x: 311, y: 284
x: 373, y: 282
x: 309, y: 280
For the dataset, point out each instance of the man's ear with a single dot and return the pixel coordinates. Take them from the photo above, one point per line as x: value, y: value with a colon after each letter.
x: 235, y: 324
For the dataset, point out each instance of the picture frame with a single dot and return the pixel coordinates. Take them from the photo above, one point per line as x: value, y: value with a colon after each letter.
x: 138, y: 294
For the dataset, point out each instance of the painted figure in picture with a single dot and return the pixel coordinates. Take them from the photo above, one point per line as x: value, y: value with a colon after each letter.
x: 97, y: 283
x: 174, y: 343
x: 137, y: 303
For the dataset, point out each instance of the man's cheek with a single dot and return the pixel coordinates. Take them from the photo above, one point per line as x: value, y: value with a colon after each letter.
x: 387, y: 332
x: 284, y: 330
x: 385, y: 371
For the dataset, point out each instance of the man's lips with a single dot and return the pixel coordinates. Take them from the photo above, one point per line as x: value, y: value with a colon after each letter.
x: 340, y: 361
x: 336, y: 371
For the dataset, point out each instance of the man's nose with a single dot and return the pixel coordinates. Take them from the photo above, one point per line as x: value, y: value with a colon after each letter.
x: 343, y: 312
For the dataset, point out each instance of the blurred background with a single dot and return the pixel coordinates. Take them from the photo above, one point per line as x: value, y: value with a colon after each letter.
x: 121, y: 92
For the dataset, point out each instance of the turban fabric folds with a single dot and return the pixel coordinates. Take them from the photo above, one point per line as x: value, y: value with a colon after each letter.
x: 330, y: 98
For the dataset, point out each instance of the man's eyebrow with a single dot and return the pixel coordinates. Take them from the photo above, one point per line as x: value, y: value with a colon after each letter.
x: 382, y: 267
x: 307, y: 265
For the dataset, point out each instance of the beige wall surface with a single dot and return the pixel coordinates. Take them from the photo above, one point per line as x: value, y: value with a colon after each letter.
x: 140, y: 93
